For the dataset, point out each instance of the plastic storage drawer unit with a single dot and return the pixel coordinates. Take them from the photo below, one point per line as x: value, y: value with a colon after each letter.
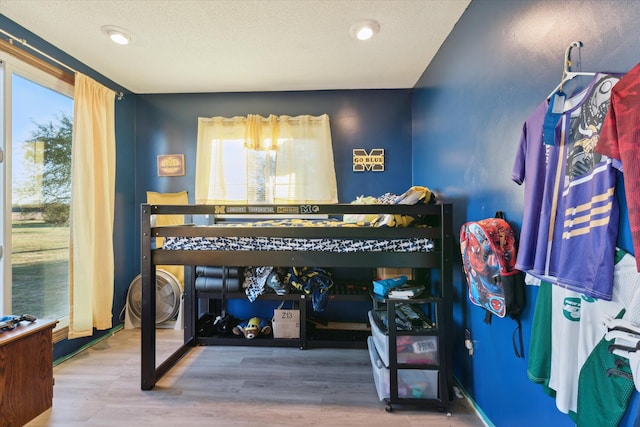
x: 410, y: 349
x: 412, y: 383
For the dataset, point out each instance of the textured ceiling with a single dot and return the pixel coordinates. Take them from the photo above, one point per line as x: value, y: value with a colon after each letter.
x: 186, y: 46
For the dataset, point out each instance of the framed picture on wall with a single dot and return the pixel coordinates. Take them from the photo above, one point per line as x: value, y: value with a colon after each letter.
x: 371, y: 161
x: 171, y: 165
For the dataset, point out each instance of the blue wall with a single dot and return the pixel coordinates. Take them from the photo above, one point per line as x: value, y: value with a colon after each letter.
x: 501, y: 60
x: 168, y: 124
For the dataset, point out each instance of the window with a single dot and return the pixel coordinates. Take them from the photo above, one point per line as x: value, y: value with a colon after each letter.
x: 38, y: 113
x: 250, y: 180
x: 257, y: 160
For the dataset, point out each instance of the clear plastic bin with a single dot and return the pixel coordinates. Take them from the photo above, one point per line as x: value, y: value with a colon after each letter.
x: 412, y: 383
x: 410, y: 349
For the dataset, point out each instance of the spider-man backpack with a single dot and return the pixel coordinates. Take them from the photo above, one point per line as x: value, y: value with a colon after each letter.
x: 488, y: 256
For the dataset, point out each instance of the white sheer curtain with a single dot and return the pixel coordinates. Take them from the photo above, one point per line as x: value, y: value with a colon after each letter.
x: 92, y: 208
x: 275, y: 159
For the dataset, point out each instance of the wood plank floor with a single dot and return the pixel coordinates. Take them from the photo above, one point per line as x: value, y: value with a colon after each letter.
x: 231, y: 387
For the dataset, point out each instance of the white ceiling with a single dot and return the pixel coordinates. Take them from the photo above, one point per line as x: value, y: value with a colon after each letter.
x: 188, y: 46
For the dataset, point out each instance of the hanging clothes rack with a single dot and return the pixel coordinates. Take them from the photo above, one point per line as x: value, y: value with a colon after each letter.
x: 567, y: 74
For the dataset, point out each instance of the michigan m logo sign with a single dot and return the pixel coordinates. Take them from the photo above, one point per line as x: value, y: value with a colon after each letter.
x: 372, y: 161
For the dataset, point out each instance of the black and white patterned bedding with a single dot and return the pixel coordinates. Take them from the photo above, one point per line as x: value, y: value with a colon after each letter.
x: 297, y: 244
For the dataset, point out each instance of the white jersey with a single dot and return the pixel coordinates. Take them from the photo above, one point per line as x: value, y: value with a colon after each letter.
x: 566, y: 314
x: 603, y: 398
x: 579, y: 323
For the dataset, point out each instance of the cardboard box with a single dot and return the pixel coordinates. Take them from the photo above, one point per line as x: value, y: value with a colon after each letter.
x: 388, y: 273
x: 286, y: 323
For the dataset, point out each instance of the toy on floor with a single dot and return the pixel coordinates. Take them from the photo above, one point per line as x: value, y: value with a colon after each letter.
x: 252, y: 328
x: 225, y: 324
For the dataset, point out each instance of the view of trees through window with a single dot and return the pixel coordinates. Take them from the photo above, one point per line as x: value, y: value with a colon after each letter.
x: 40, y: 199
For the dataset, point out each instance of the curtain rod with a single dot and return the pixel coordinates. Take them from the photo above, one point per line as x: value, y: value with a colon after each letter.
x: 23, y: 42
x: 265, y: 119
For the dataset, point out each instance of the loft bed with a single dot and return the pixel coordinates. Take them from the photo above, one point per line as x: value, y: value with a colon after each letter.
x: 428, y: 246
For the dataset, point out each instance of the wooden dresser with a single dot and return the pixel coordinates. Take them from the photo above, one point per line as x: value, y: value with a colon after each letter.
x: 26, y: 372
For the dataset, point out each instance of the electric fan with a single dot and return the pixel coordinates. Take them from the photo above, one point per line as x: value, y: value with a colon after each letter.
x: 168, y: 296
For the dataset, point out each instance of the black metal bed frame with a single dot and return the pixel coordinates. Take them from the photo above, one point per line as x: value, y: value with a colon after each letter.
x: 438, y: 216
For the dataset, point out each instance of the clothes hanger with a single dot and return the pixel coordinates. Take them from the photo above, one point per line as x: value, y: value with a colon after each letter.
x: 623, y: 325
x: 619, y: 373
x: 623, y: 337
x: 567, y: 74
x: 624, y: 342
x: 633, y: 365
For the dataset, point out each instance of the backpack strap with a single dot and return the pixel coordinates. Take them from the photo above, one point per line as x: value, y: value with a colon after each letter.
x: 487, y: 316
x: 519, y: 352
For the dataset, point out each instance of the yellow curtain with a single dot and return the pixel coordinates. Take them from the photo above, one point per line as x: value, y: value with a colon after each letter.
x: 216, y: 179
x: 305, y: 171
x: 92, y: 208
x: 262, y: 133
x: 180, y: 198
x: 228, y: 151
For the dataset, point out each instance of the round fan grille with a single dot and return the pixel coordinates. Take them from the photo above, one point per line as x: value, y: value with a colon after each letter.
x: 167, y: 297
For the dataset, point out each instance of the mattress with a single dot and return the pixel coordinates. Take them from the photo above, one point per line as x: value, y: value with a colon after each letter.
x: 419, y: 244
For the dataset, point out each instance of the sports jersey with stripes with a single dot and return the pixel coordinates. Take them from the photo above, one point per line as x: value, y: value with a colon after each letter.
x: 576, y: 211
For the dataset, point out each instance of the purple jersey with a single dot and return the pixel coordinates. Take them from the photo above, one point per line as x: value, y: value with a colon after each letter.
x: 570, y: 226
x: 530, y: 159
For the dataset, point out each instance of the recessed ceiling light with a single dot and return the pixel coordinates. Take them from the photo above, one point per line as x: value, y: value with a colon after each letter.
x: 364, y: 30
x: 117, y: 34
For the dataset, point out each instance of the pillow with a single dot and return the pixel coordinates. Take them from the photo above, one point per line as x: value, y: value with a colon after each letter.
x: 155, y: 198
x: 361, y: 218
x: 416, y: 195
x: 413, y: 196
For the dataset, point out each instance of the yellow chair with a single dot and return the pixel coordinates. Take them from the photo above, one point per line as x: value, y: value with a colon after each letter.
x: 180, y: 198
x: 170, y: 276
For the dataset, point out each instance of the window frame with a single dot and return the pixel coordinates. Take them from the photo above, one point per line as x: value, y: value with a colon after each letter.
x: 40, y: 72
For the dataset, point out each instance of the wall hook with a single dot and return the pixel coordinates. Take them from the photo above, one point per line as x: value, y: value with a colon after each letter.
x: 567, y: 56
